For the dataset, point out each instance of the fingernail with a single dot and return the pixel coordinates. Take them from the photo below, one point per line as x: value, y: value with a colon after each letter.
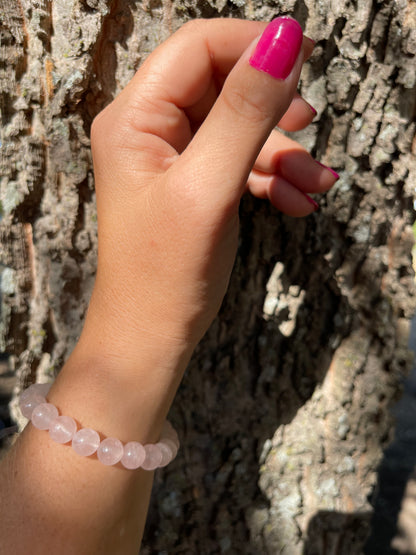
x: 334, y: 173
x: 312, y: 108
x: 278, y: 48
x: 311, y: 201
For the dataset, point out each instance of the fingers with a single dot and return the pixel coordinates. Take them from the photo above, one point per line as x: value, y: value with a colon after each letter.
x: 282, y: 194
x: 199, y: 111
x: 158, y: 112
x: 147, y: 125
x: 298, y: 116
x: 285, y: 173
x: 183, y: 71
x: 255, y: 96
x: 287, y: 158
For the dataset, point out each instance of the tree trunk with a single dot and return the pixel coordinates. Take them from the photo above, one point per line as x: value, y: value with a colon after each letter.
x: 284, y: 410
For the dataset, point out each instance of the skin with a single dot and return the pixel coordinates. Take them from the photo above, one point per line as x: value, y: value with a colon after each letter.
x: 173, y: 154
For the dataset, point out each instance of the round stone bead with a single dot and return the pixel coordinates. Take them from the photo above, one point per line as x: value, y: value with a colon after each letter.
x: 153, y: 457
x: 173, y: 446
x: 133, y: 456
x: 110, y: 451
x: 41, y: 388
x: 32, y: 396
x: 30, y: 399
x: 85, y: 442
x: 43, y: 415
x: 167, y: 453
x: 62, y: 429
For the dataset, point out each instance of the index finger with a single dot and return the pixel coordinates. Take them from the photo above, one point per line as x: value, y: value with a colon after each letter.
x: 200, y: 49
x: 182, y: 72
x: 185, y: 63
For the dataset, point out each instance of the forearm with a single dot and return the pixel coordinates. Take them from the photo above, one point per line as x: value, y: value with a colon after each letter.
x: 55, y: 500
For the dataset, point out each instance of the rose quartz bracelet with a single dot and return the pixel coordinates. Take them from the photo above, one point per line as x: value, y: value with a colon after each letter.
x: 85, y: 441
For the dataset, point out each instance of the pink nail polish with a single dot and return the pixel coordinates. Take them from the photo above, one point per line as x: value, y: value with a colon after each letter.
x: 278, y: 48
x: 312, y: 109
x: 334, y: 173
x: 311, y: 201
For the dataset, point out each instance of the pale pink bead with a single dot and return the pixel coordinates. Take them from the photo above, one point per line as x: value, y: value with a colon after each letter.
x: 172, y: 437
x: 110, y: 451
x: 153, y: 457
x: 43, y: 415
x: 133, y: 456
x: 167, y: 453
x: 30, y: 399
x: 41, y: 388
x: 85, y: 442
x: 175, y: 440
x: 172, y: 445
x: 62, y: 429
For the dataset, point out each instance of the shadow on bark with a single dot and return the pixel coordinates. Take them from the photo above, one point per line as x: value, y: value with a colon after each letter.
x: 332, y: 533
x: 249, y: 376
x: 395, y: 470
x: 261, y: 373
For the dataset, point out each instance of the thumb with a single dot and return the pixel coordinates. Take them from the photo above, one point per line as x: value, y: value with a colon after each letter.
x: 255, y: 95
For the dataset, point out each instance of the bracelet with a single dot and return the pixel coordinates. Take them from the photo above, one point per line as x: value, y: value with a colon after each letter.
x: 86, y: 442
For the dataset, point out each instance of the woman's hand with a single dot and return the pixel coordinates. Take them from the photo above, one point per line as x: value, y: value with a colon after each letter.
x: 173, y: 155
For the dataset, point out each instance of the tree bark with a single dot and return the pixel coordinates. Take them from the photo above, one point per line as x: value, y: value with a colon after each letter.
x: 284, y: 410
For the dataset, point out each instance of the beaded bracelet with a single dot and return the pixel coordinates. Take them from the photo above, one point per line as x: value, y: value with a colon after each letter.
x: 86, y: 442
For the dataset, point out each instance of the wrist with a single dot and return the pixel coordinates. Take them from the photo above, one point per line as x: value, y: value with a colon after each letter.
x: 128, y: 321
x: 120, y: 394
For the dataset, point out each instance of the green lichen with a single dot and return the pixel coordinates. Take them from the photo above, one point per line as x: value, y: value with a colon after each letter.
x: 39, y: 333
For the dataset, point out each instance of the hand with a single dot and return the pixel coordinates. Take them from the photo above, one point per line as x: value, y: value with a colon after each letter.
x: 173, y: 155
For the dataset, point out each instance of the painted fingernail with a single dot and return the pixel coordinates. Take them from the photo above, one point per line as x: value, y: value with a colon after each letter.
x: 311, y: 201
x: 334, y: 173
x: 278, y: 48
x: 312, y: 109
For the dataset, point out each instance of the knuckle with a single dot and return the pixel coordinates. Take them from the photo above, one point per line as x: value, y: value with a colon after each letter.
x: 248, y: 104
x: 98, y: 125
x: 193, y: 26
x: 108, y: 127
